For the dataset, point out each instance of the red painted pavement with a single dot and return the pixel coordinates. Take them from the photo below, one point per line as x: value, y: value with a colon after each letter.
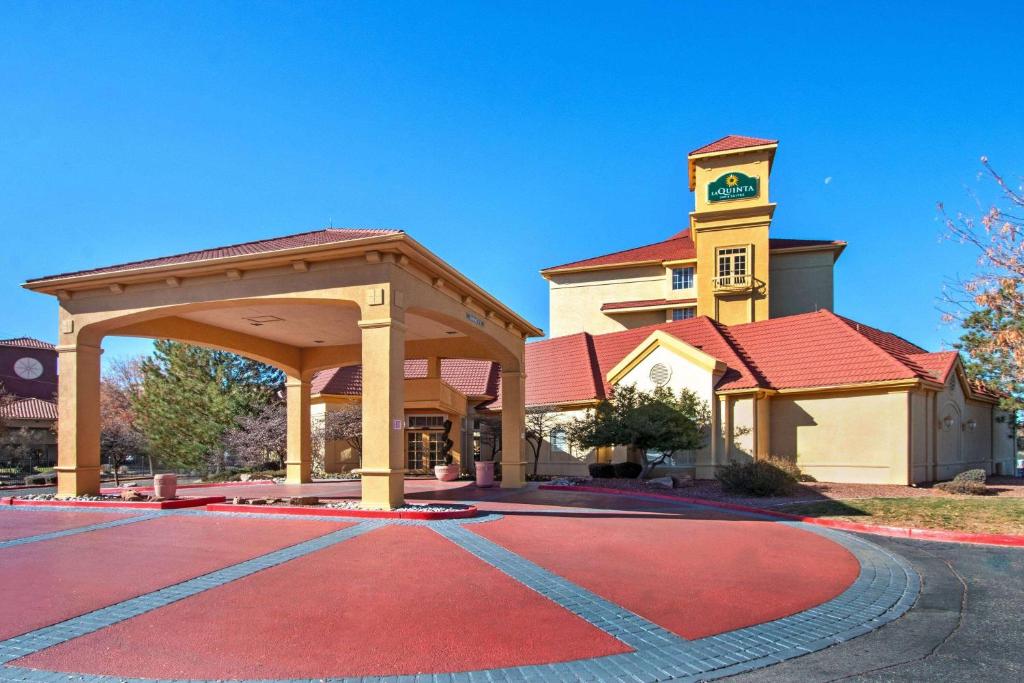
x: 31, y: 523
x: 49, y: 581
x: 395, y: 600
x: 695, y: 574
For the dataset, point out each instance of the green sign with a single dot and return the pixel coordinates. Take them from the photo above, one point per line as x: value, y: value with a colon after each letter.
x: 733, y: 185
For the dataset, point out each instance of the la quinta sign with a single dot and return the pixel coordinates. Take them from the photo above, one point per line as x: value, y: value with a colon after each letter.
x: 733, y: 185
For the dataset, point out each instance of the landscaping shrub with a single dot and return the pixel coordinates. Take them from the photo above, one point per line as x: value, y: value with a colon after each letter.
x: 601, y: 470
x: 766, y: 477
x: 978, y: 476
x: 627, y: 470
x: 964, y: 487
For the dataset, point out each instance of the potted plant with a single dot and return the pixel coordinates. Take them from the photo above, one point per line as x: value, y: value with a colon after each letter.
x: 449, y: 471
x: 485, y: 473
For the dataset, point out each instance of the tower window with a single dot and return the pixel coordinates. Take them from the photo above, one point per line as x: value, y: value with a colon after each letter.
x: 682, y: 278
x: 732, y: 261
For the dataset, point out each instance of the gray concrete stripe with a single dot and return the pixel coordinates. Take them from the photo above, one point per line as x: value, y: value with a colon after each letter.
x: 71, y: 532
x: 626, y: 626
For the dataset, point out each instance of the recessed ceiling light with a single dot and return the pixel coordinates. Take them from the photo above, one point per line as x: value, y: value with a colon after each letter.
x: 318, y: 341
x: 260, y: 319
x: 450, y: 332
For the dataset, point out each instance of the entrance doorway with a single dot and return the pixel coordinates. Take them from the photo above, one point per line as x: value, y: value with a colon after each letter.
x: 424, y: 441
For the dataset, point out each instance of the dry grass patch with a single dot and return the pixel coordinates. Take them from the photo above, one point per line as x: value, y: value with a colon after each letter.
x: 968, y: 514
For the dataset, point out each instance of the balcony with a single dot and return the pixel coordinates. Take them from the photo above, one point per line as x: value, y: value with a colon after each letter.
x: 732, y: 283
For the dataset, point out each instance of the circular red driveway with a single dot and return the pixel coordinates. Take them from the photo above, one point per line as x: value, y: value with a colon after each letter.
x: 407, y: 599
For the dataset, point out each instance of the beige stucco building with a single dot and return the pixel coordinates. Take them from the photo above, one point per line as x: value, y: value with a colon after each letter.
x: 745, y: 319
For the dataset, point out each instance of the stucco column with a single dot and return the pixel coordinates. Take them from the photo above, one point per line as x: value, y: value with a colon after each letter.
x: 78, y: 423
x: 383, y: 413
x: 513, y: 427
x: 298, y: 464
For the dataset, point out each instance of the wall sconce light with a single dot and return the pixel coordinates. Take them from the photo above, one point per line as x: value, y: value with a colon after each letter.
x: 947, y: 422
x: 971, y: 425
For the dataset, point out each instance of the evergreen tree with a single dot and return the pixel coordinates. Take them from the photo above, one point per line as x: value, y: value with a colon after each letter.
x: 191, y: 395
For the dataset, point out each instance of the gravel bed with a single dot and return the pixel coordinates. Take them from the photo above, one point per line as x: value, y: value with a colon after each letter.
x: 53, y: 496
x: 431, y: 507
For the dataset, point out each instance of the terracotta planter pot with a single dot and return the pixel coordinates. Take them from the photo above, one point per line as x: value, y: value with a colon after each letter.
x: 165, y: 485
x: 485, y: 473
x: 446, y: 472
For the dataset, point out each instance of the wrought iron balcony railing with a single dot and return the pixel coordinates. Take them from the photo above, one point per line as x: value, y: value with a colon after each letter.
x: 732, y: 282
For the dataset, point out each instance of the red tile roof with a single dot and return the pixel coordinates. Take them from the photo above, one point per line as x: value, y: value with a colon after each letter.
x: 302, y: 239
x: 646, y: 303
x: 938, y: 364
x: 795, y: 352
x: 678, y: 247
x: 471, y: 377
x: 27, y: 343
x: 821, y: 349
x: 732, y: 142
x: 29, y: 409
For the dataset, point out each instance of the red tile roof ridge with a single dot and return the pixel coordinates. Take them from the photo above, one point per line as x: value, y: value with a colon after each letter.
x: 159, y: 260
x: 595, y: 367
x: 939, y: 370
x: 894, y: 345
x: 731, y: 141
x: 27, y: 343
x: 866, y: 332
x: 580, y: 262
x: 741, y: 353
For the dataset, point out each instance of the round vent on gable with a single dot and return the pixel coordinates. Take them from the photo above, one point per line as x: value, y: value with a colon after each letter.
x: 660, y: 374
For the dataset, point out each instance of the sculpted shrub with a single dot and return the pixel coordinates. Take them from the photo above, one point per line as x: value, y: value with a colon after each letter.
x: 963, y: 487
x: 977, y: 476
x: 766, y: 477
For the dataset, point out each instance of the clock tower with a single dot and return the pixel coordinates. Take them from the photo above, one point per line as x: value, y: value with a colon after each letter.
x: 729, y: 227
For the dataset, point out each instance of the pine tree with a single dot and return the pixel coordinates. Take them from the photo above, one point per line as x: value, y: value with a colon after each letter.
x: 191, y: 395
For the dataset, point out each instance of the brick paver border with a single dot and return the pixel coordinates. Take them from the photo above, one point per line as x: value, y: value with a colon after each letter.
x: 885, y: 589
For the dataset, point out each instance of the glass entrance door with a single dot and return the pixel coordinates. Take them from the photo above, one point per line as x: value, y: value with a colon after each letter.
x: 423, y: 449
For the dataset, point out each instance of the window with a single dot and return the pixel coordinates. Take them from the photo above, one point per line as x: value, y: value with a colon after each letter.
x: 425, y: 422
x: 683, y: 313
x: 732, y: 261
x: 559, y: 442
x: 682, y: 278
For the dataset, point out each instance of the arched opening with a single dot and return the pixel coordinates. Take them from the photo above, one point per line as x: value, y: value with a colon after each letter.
x: 325, y: 310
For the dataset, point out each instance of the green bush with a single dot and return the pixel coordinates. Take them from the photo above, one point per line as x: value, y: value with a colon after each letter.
x: 766, y: 477
x: 627, y: 470
x: 965, y: 487
x: 601, y: 470
x: 977, y: 476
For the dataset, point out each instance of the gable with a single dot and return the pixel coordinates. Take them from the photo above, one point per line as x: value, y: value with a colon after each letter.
x: 663, y: 360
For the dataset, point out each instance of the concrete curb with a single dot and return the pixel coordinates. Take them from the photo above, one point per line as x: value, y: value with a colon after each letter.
x: 319, y: 511
x: 893, y: 531
x: 174, y: 504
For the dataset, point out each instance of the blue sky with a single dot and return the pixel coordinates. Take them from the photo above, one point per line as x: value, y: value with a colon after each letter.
x: 543, y: 130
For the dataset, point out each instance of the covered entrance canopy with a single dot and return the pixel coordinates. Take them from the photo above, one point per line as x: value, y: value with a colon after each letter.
x: 301, y: 303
